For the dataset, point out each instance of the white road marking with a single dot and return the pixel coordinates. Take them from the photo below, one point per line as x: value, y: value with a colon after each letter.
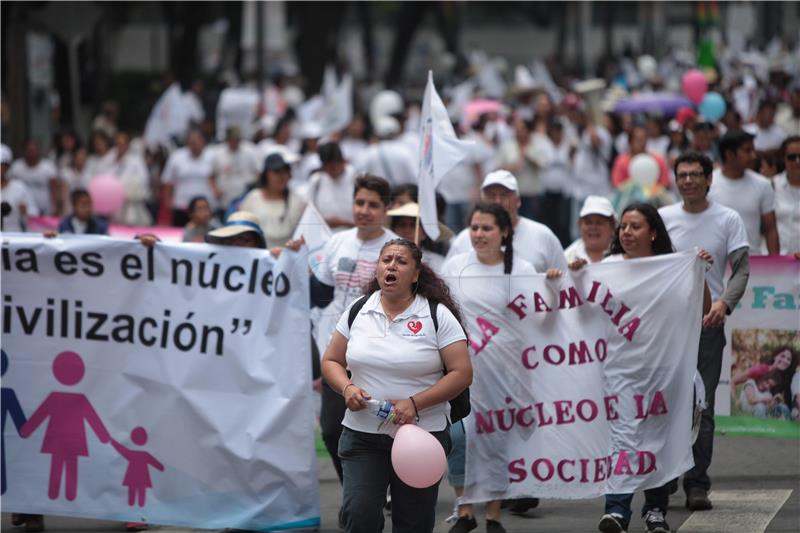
x: 737, y: 511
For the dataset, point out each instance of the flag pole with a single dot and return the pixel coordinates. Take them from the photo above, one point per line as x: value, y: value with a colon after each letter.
x: 416, y: 228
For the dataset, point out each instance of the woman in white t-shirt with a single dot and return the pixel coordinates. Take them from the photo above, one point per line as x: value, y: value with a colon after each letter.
x: 491, y: 233
x: 277, y: 207
x: 641, y: 233
x: 395, y: 351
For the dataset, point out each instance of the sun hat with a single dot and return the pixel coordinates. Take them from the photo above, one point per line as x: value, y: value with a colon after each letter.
x: 238, y: 223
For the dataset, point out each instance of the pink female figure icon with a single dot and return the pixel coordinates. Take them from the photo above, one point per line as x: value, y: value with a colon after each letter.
x: 65, y: 437
x: 137, y: 476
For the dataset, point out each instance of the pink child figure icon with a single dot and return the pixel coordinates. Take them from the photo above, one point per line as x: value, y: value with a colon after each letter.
x: 137, y: 476
x: 65, y: 437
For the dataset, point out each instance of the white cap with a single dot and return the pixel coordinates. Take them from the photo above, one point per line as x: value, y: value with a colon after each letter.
x: 503, y: 178
x: 5, y: 155
x: 597, y: 205
x: 311, y: 130
x: 386, y: 126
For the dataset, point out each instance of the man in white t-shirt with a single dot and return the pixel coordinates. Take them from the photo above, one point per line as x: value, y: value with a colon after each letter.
x: 40, y: 176
x: 746, y: 191
x: 187, y: 174
x: 768, y: 136
x: 533, y: 241
x: 348, y: 265
x: 698, y: 222
x: 330, y: 189
x: 236, y: 167
x: 18, y: 202
x: 787, y: 197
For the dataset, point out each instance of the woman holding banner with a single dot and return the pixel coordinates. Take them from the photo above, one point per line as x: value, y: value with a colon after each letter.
x: 641, y: 233
x: 395, y: 349
x: 492, y: 256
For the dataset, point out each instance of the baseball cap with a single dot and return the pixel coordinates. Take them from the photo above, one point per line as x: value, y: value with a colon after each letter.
x: 386, y: 126
x: 238, y: 223
x: 504, y: 178
x: 597, y: 205
x: 5, y: 155
x: 275, y: 161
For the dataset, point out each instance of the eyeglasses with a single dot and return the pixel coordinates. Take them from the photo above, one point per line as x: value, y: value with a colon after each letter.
x: 695, y: 175
x: 793, y: 157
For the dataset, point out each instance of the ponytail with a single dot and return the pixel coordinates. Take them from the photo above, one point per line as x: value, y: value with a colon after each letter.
x: 508, y: 253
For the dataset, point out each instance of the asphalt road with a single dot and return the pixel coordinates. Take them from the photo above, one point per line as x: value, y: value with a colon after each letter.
x: 756, y: 489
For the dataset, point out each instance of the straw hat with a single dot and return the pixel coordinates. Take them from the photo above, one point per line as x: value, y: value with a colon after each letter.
x: 238, y: 223
x: 411, y: 210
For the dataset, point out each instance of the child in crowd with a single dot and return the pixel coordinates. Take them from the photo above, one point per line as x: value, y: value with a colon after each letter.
x: 82, y: 220
x: 200, y: 220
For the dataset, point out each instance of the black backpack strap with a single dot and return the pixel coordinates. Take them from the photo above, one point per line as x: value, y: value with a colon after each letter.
x: 434, y: 306
x: 356, y: 307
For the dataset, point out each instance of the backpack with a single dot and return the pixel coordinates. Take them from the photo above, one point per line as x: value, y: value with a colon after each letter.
x: 459, y: 406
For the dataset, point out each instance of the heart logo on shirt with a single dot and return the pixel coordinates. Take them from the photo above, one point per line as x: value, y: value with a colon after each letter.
x: 415, y: 327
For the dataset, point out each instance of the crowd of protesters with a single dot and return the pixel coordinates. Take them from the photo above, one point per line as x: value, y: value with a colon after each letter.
x: 557, y: 162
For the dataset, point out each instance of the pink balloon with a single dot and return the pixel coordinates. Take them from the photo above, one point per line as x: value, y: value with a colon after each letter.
x: 417, y: 457
x: 695, y: 85
x: 108, y: 194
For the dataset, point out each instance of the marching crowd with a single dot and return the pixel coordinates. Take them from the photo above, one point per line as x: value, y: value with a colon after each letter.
x: 547, y: 187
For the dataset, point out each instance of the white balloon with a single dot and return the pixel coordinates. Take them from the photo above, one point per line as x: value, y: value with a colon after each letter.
x: 643, y: 170
x: 385, y: 103
x: 647, y: 66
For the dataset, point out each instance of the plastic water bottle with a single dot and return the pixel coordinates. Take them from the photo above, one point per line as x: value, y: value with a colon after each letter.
x: 384, y: 411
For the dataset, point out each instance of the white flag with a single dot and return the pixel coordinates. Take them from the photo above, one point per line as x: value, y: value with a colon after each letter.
x: 440, y: 150
x: 166, y: 118
x: 313, y: 228
x: 338, y: 109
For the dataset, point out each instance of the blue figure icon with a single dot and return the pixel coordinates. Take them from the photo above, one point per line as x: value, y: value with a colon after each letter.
x: 10, y: 406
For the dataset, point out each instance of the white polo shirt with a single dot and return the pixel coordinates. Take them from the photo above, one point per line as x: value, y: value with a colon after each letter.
x: 392, y: 360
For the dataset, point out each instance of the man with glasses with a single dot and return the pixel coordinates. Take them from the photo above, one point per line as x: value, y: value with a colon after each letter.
x: 703, y: 223
x: 745, y: 191
x: 787, y: 197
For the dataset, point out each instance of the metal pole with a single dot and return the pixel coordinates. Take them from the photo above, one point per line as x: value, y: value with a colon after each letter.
x: 260, y: 49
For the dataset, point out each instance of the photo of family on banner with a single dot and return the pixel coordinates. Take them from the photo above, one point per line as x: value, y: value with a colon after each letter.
x: 65, y: 437
x: 583, y: 385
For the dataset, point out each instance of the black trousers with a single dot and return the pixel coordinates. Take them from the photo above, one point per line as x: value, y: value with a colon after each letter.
x: 330, y: 421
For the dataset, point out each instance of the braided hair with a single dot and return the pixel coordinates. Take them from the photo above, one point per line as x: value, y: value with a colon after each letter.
x: 503, y: 220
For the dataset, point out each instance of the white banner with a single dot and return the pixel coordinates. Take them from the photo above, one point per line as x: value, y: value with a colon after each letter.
x: 169, y: 385
x: 583, y: 385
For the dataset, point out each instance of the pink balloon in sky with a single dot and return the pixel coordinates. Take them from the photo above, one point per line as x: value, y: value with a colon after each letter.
x: 695, y: 85
x: 418, y: 458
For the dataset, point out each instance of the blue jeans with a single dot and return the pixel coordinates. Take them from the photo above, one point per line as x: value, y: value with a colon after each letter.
x: 654, y: 499
x: 367, y: 467
x: 457, y: 458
